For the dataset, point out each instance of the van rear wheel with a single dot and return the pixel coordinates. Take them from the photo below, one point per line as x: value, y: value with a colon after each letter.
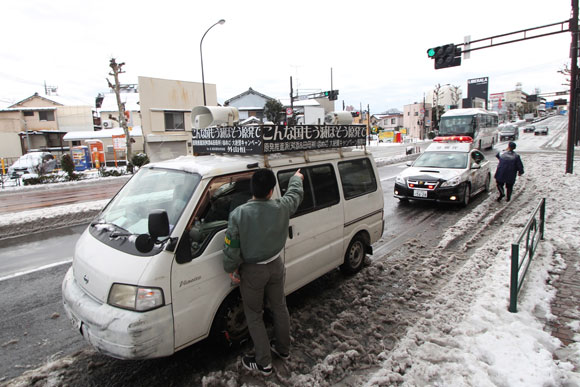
x: 354, y: 256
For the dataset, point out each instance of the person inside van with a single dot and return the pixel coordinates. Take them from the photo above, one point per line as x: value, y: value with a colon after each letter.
x: 255, y: 237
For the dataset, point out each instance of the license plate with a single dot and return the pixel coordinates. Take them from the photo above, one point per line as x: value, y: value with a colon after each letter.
x: 420, y: 193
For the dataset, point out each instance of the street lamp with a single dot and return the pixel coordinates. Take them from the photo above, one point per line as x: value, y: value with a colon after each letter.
x: 222, y: 21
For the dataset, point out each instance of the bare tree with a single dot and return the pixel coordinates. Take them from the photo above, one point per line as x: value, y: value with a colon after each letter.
x: 436, y: 92
x: 455, y: 94
x: 566, y: 73
x: 117, y: 68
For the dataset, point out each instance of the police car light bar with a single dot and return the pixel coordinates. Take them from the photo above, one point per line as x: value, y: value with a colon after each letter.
x: 467, y: 139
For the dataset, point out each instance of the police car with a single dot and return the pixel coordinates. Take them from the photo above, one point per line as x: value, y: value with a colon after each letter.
x: 448, y: 171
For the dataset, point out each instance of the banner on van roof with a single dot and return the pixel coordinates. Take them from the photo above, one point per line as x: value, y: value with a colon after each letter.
x: 263, y: 139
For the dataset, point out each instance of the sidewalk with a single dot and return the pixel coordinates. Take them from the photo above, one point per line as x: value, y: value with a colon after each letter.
x: 566, y: 305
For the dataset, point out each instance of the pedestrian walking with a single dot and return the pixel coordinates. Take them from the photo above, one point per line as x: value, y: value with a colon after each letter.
x: 509, y: 167
x: 256, y: 235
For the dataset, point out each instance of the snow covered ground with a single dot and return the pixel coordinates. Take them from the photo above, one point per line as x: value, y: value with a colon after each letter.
x: 464, y: 335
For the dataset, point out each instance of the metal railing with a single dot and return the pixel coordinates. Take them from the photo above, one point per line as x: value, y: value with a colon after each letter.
x: 532, y: 233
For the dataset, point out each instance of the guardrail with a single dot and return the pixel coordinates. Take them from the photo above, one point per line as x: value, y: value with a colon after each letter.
x: 532, y: 233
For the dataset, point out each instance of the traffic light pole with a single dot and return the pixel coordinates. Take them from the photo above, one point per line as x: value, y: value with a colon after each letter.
x: 573, y: 113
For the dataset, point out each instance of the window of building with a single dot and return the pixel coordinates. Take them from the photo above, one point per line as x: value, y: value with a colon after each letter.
x: 357, y: 178
x: 174, y: 121
x: 46, y: 115
x: 393, y: 121
x: 416, y: 113
x: 28, y: 113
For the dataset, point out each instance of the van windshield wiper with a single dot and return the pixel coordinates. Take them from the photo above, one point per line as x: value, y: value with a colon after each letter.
x: 116, y: 231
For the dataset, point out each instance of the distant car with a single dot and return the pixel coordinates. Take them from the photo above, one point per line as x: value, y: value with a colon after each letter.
x: 32, y: 162
x: 445, y: 172
x: 529, y: 129
x: 508, y: 132
x: 541, y: 131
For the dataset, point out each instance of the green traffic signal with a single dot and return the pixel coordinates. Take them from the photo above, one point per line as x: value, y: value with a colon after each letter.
x: 431, y: 52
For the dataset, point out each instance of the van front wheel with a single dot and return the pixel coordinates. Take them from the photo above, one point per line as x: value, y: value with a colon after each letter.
x: 229, y: 325
x: 354, y: 256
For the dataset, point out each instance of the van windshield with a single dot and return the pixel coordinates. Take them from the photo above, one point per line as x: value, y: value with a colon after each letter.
x: 150, y: 189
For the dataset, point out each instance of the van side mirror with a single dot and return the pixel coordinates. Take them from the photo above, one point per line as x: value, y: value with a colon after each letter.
x: 158, y: 227
x: 158, y: 223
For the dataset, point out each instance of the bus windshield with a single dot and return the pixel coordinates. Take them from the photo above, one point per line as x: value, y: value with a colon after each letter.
x: 457, y: 125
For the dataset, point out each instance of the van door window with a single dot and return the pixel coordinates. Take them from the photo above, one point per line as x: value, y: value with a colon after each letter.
x: 320, y: 187
x: 357, y: 177
x: 221, y: 196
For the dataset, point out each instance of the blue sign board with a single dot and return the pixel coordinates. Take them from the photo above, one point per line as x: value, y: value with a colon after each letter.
x: 550, y: 105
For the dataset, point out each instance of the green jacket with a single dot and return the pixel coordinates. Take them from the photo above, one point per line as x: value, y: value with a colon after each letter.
x: 257, y: 230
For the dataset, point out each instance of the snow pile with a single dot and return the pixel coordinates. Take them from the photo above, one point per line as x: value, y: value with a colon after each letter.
x: 467, y: 335
x: 25, y: 222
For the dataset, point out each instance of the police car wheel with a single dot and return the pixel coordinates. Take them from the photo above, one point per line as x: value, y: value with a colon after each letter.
x: 354, y: 256
x: 487, y: 183
x: 466, y: 195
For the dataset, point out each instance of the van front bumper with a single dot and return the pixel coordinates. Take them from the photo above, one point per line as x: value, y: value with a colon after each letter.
x: 116, y: 332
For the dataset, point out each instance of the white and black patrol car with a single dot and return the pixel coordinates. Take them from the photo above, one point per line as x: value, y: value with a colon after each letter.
x: 448, y: 172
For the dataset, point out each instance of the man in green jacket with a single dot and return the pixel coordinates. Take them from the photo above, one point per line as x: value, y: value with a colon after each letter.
x: 256, y: 235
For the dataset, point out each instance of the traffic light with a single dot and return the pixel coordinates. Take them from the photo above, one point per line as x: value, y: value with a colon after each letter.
x: 331, y: 94
x: 532, y: 98
x: 355, y: 114
x: 448, y: 55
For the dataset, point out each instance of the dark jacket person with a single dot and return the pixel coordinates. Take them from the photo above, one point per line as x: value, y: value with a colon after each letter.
x: 509, y: 167
x: 256, y: 235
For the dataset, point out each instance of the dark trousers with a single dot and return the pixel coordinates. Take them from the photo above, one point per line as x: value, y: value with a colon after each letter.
x: 509, y: 187
x: 259, y: 281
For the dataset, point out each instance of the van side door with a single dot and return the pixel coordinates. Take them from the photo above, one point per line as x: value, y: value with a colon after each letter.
x: 198, y: 280
x: 314, y: 244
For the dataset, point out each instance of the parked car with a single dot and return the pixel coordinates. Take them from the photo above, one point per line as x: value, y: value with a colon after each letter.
x: 508, y: 132
x: 543, y: 131
x: 529, y: 129
x: 445, y: 172
x: 33, y: 162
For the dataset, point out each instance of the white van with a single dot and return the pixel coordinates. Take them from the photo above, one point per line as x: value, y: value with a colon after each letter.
x: 147, y: 277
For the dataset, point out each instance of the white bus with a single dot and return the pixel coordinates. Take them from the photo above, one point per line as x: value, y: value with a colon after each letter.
x: 479, y: 124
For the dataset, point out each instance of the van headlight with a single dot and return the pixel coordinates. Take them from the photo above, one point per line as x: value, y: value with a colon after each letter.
x: 400, y: 180
x: 452, y: 182
x: 135, y: 298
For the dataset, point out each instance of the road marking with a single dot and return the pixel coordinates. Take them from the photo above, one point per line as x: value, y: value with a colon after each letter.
x: 389, y: 177
x: 21, y: 273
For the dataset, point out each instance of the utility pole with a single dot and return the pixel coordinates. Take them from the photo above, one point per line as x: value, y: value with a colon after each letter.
x: 291, y: 119
x: 573, y: 113
x: 369, y: 124
x: 117, y: 68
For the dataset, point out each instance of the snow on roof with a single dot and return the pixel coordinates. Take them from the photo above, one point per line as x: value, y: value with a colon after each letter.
x: 68, y: 100
x: 306, y: 102
x: 105, y: 133
x: 58, y: 99
x: 250, y: 108
x: 466, y: 112
x: 19, y: 109
x: 110, y: 102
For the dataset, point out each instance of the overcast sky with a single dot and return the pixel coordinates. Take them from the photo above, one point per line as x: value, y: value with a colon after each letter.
x: 377, y: 49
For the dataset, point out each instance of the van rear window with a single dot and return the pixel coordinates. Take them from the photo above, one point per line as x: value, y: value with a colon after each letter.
x: 357, y: 177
